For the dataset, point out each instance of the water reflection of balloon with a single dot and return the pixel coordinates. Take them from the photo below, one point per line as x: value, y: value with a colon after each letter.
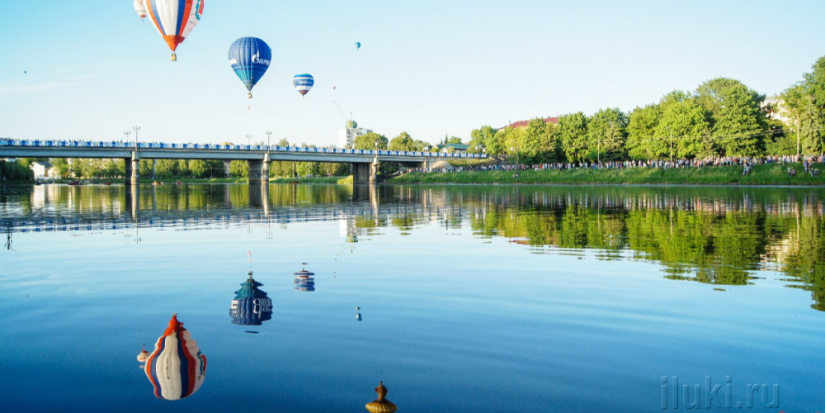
x: 140, y: 8
x: 381, y: 404
x: 249, y: 57
x: 251, y: 306
x: 304, y: 280
x: 358, y: 313
x: 174, y: 19
x: 177, y: 367
x: 143, y: 355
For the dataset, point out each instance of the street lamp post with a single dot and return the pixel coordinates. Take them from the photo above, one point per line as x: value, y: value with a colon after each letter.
x: 248, y: 137
x: 127, y: 133
x: 268, y: 135
x: 136, y: 129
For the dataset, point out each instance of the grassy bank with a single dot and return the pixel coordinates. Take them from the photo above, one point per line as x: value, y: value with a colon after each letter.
x: 730, y: 175
x: 314, y: 180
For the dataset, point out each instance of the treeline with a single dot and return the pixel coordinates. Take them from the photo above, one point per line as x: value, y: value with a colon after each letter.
x: 14, y: 171
x: 722, y: 117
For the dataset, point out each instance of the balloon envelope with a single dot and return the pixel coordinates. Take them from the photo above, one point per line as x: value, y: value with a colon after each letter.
x: 303, y: 83
x: 177, y: 367
x: 250, y: 57
x: 174, y: 19
x: 357, y: 45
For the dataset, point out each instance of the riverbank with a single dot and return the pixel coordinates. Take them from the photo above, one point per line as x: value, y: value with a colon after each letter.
x: 726, y: 175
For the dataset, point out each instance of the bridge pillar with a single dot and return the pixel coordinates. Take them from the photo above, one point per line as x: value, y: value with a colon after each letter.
x: 259, y: 171
x: 361, y: 173
x: 226, y: 165
x: 374, y: 172
x: 127, y: 171
x: 154, y: 166
x: 135, y: 179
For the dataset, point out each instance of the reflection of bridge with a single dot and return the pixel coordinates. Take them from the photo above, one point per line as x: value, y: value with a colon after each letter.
x: 364, y: 162
x: 135, y: 207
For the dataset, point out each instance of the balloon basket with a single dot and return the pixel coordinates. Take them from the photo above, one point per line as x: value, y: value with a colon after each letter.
x: 174, y: 57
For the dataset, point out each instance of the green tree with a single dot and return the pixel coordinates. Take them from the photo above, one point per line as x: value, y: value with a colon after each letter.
x: 496, y: 145
x: 368, y: 141
x: 606, y: 134
x: 402, y: 142
x: 641, y: 133
x: 454, y: 140
x: 735, y: 116
x: 572, y: 134
x: 799, y: 107
x: 482, y: 137
x: 240, y: 169
x: 539, y: 144
x: 683, y: 131
x: 199, y: 168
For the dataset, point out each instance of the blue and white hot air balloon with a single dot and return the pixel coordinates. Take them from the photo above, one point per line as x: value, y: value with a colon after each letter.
x: 250, y: 57
x: 251, y: 306
x: 303, y: 83
x: 176, y: 368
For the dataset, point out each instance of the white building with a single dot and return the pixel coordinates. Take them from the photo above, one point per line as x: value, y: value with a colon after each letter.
x: 346, y: 137
x: 43, y: 170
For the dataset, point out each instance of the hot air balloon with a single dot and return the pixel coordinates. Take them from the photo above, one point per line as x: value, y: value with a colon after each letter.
x: 357, y: 45
x: 303, y: 83
x: 140, y: 8
x: 249, y: 58
x: 174, y: 19
x: 143, y: 355
x: 251, y: 306
x: 177, y: 367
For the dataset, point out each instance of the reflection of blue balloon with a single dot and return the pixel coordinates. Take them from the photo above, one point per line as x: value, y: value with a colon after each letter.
x: 251, y: 306
x: 357, y: 45
x: 249, y: 58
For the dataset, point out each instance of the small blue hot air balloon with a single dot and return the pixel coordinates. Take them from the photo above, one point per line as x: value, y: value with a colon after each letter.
x: 250, y: 57
x: 357, y: 45
x: 303, y: 83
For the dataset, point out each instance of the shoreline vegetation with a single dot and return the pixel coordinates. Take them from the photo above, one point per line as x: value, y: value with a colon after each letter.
x: 721, y: 175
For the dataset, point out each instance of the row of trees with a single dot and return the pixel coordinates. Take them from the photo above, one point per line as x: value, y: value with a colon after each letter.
x: 722, y: 117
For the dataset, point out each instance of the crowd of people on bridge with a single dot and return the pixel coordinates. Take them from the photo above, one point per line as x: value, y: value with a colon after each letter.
x: 808, y: 163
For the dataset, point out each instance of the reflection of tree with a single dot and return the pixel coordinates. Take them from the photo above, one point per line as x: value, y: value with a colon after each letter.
x: 707, y: 235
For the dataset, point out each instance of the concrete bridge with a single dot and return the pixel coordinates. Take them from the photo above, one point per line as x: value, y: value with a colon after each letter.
x: 364, y: 162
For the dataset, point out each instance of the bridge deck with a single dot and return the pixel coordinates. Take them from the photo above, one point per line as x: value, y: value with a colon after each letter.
x: 116, y: 149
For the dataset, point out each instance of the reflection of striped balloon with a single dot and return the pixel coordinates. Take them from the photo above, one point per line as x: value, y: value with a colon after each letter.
x: 140, y: 9
x: 174, y: 19
x: 303, y: 83
x: 176, y: 368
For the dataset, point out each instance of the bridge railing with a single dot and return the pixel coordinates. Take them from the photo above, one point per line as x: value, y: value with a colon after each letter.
x: 6, y: 142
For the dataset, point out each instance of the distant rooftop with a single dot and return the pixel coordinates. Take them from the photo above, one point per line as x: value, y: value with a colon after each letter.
x: 523, y: 123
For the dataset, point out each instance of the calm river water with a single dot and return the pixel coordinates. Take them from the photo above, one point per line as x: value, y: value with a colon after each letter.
x: 470, y: 298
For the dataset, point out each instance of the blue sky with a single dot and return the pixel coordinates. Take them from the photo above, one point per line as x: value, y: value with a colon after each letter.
x: 426, y: 67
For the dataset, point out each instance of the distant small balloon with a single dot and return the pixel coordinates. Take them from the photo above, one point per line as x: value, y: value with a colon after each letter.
x: 25, y: 72
x: 333, y: 88
x: 303, y: 83
x: 357, y: 45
